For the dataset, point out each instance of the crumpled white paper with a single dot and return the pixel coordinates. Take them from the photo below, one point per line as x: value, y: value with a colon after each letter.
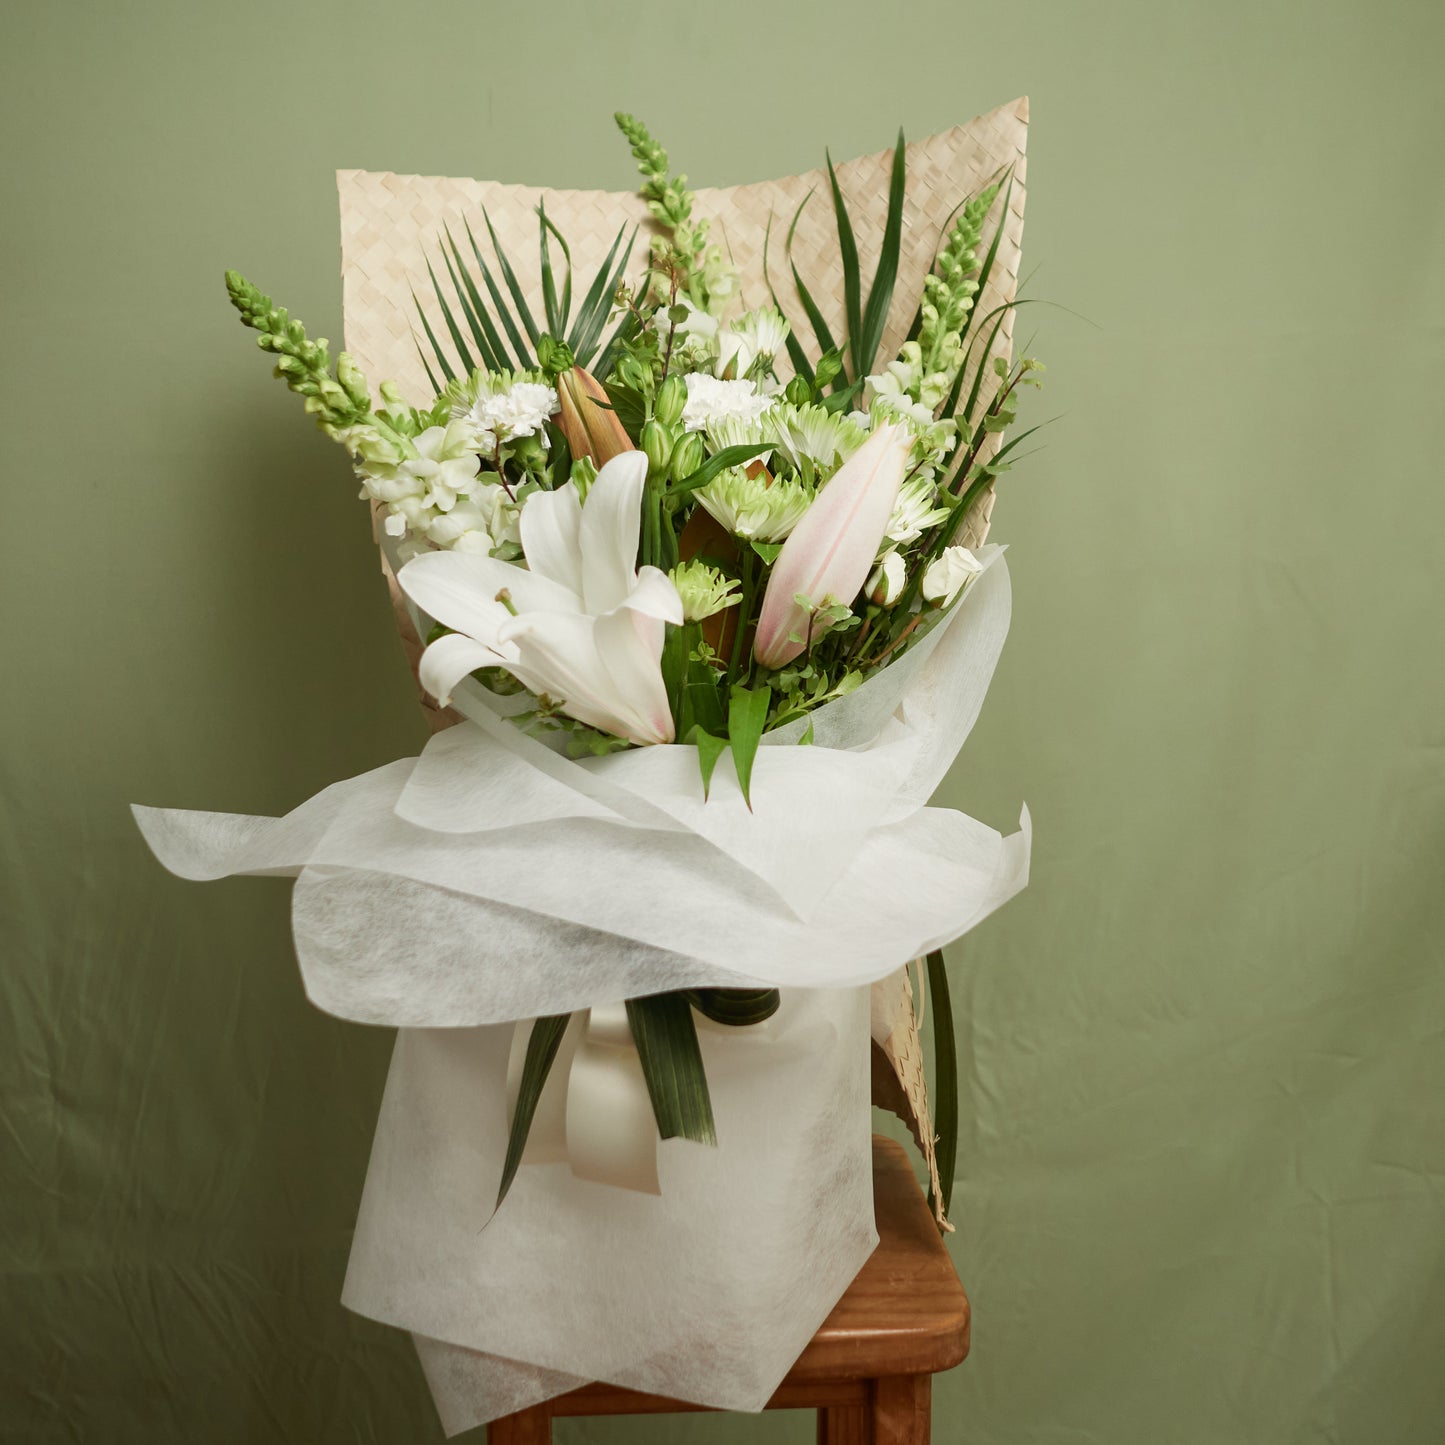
x: 705, y: 1292
x: 494, y: 879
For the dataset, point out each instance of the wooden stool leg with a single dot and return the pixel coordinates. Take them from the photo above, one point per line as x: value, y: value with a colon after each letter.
x: 844, y: 1425
x: 526, y: 1427
x: 902, y: 1410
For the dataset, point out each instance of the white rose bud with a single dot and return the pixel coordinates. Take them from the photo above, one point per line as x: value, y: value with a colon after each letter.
x: 949, y: 575
x: 885, y: 586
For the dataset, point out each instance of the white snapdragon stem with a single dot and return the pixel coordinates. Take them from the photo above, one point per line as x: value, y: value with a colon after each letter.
x: 581, y: 626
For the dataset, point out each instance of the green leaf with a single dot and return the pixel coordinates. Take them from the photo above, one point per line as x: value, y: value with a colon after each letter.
x: 499, y: 305
x: 542, y: 1046
x: 597, y: 303
x: 736, y: 1007
x: 519, y: 298
x: 468, y: 365
x: 557, y: 312
x: 436, y: 386
x: 945, y: 1070
x: 801, y: 365
x: 880, y: 294
x: 852, y: 280
x: 666, y: 1039
x: 499, y: 359
x: 437, y: 352
x: 462, y: 284
x: 768, y: 551
x: 815, y: 319
x: 747, y: 717
x: 720, y: 461
x: 709, y: 750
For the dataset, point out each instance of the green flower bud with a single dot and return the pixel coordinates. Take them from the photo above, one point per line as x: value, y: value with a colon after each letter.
x: 671, y: 398
x: 687, y: 456
x: 584, y: 473
x: 353, y: 382
x: 657, y: 443
x: 798, y: 392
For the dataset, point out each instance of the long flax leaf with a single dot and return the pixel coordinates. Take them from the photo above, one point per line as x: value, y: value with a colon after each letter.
x: 852, y: 281
x: 542, y: 1046
x: 666, y: 1039
x: 880, y: 294
x: 945, y: 1073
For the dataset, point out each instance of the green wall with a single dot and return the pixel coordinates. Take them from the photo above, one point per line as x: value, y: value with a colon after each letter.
x: 1200, y: 1178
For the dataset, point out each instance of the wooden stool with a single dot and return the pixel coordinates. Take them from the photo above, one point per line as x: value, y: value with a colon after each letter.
x: 868, y: 1372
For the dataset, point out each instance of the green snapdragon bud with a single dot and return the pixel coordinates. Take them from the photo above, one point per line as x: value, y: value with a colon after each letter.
x: 671, y: 398
x: 353, y: 383
x: 657, y: 443
x: 686, y: 456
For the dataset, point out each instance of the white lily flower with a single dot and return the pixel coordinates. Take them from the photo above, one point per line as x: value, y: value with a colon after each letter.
x: 949, y: 575
x: 582, y: 626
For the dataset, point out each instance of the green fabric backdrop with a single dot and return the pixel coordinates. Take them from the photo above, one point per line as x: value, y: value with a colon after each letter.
x: 1201, y: 1168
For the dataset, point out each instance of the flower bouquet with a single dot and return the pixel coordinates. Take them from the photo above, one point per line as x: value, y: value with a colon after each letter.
x: 693, y: 576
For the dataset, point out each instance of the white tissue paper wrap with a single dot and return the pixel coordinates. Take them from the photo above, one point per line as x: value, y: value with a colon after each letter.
x: 493, y: 880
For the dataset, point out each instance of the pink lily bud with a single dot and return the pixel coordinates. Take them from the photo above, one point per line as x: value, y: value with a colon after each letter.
x: 830, y: 553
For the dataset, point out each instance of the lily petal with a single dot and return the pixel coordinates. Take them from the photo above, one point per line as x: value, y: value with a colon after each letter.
x: 551, y: 536
x: 830, y: 552
x: 449, y: 659
x: 611, y: 525
x: 459, y: 590
x: 655, y: 596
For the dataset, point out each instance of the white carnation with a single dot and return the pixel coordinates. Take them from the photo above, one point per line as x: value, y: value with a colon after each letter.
x: 710, y: 400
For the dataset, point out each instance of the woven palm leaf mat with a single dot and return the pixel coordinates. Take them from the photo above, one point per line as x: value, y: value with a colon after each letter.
x: 392, y: 225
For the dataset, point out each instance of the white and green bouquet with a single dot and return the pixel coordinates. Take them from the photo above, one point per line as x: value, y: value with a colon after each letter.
x: 699, y: 595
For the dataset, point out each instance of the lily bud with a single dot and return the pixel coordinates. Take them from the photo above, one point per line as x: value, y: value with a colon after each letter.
x: 671, y: 398
x: 587, y: 419
x: 687, y: 456
x: 830, y: 552
x: 657, y: 443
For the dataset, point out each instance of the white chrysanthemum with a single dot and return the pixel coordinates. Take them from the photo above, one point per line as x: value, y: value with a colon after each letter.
x: 754, y: 337
x: 741, y: 431
x: 913, y: 512
x: 709, y: 400
x: 757, y: 509
x: 703, y: 589
x: 815, y: 435
x: 519, y: 411
x: 949, y: 575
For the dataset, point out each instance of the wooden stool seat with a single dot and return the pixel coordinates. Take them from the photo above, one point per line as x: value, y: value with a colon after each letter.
x: 868, y: 1371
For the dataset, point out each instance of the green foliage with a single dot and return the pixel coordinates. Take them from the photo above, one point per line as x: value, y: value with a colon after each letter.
x: 666, y: 1038
x: 542, y: 1045
x: 302, y: 363
x: 945, y: 1077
